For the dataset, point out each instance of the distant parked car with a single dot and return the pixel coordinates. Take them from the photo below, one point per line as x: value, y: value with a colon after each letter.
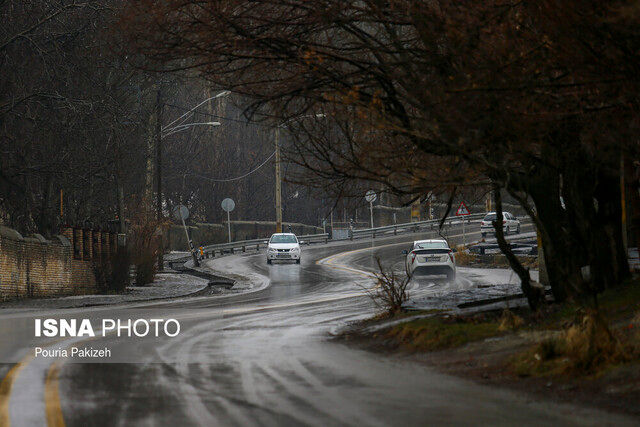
x: 283, y: 246
x: 431, y: 257
x: 510, y: 224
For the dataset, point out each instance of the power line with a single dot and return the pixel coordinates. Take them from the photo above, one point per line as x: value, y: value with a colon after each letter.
x: 236, y: 178
x: 216, y: 116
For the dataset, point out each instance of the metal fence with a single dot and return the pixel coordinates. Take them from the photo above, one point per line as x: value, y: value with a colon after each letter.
x: 413, y: 227
x: 211, y: 251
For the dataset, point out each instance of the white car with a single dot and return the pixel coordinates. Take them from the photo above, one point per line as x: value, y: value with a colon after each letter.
x: 431, y: 257
x: 283, y: 246
x: 510, y: 224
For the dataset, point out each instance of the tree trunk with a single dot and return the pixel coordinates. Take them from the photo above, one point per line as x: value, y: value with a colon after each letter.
x: 534, y: 295
x: 46, y: 220
x: 579, y: 221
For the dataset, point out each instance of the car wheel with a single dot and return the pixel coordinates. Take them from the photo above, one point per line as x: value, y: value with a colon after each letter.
x: 298, y: 261
x: 268, y: 261
x: 451, y: 276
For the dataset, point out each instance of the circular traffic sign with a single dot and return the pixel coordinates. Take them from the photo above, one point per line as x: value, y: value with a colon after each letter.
x: 228, y: 205
x: 371, y: 196
x: 181, y: 212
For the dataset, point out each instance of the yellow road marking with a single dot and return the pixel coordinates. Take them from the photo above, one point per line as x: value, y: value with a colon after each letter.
x: 53, y: 409
x: 329, y: 261
x: 5, y: 389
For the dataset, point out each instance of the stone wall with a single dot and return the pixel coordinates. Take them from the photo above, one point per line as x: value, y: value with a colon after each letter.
x: 209, y: 234
x: 36, y: 267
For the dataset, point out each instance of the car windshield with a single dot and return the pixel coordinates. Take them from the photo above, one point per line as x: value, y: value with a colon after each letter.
x: 431, y: 245
x: 490, y: 217
x: 283, y: 238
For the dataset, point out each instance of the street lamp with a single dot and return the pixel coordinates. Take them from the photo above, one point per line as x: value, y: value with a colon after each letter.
x: 176, y: 125
x: 221, y: 94
x: 278, y: 170
x: 179, y: 128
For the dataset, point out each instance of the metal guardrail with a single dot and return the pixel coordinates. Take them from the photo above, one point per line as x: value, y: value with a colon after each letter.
x: 413, y: 227
x: 210, y: 251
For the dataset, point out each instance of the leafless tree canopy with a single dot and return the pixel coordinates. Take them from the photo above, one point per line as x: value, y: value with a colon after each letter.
x: 537, y: 97
x: 78, y: 122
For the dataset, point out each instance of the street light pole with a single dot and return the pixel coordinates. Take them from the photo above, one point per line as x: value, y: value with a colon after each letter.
x: 159, y: 106
x: 278, y: 184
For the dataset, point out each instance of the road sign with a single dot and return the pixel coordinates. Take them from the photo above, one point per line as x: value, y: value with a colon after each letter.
x: 462, y: 210
x: 228, y: 205
x: 181, y: 212
x: 371, y: 196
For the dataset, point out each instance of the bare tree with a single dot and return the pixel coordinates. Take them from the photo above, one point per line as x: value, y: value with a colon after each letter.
x: 532, y: 96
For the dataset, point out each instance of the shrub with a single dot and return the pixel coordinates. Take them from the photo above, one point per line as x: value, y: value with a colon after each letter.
x: 585, y: 347
x: 145, y: 244
x: 390, y: 292
x: 590, y: 343
x: 112, y: 272
x: 145, y: 266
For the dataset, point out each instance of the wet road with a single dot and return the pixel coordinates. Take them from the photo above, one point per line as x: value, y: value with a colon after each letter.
x: 257, y: 359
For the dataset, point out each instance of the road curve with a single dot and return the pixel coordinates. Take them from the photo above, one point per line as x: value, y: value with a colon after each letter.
x: 264, y: 359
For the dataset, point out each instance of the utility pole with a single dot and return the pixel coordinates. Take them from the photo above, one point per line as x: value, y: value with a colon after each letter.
x: 623, y: 205
x: 331, y: 220
x: 159, y: 106
x: 278, y: 184
x: 371, y: 212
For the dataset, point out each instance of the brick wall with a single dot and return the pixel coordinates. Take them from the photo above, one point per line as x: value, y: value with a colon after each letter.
x: 36, y: 267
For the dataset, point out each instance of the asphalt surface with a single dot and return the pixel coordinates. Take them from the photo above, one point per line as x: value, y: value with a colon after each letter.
x: 262, y: 358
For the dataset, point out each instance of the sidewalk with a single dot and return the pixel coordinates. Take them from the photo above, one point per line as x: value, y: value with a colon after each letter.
x: 166, y: 285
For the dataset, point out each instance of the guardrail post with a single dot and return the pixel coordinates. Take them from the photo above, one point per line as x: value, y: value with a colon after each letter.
x: 243, y: 248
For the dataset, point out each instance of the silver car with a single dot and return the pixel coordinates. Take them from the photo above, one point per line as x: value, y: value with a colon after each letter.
x: 431, y: 257
x: 510, y: 224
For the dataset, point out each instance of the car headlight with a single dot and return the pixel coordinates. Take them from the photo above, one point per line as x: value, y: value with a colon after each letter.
x: 273, y: 250
x: 295, y: 250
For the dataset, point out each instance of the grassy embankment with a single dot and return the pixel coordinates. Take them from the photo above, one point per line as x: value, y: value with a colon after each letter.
x: 564, y: 339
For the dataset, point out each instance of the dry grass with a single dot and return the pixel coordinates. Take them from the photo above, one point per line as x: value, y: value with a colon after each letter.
x: 510, y: 321
x: 466, y: 259
x: 565, y: 340
x: 437, y: 333
x: 587, y: 346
